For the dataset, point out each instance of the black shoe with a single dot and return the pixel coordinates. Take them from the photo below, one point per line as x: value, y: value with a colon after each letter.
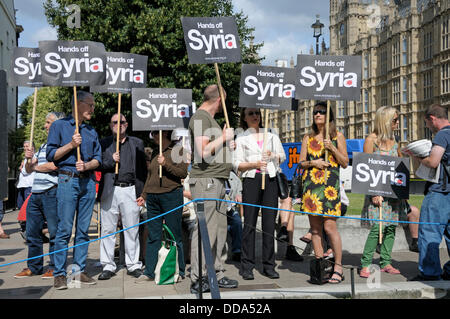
x: 135, y: 273
x: 292, y: 254
x: 423, y: 278
x: 247, y: 275
x: 414, y: 247
x: 195, y: 289
x: 445, y: 276
x: 105, y: 275
x: 227, y: 283
x: 236, y: 257
x: 272, y: 274
x: 283, y: 234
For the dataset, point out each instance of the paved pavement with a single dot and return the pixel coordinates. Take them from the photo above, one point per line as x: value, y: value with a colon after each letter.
x: 291, y: 284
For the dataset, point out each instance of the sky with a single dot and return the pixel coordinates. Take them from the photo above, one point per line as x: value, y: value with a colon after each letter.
x: 283, y: 25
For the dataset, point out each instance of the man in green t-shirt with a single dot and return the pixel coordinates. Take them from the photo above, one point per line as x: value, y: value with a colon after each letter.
x: 211, y: 166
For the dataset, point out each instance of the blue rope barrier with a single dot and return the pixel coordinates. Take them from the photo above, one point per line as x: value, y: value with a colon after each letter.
x: 213, y: 199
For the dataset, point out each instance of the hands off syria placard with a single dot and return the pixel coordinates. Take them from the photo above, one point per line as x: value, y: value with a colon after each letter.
x: 266, y: 87
x: 325, y: 77
x: 26, y: 67
x: 211, y: 39
x: 161, y: 109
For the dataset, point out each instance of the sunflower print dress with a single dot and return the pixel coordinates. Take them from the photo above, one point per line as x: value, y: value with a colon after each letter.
x: 321, y: 188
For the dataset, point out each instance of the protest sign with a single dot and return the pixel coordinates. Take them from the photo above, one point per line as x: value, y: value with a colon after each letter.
x: 72, y: 63
x: 124, y: 71
x: 266, y: 87
x: 211, y: 39
x: 325, y: 77
x: 380, y: 175
x: 26, y: 67
x: 161, y: 109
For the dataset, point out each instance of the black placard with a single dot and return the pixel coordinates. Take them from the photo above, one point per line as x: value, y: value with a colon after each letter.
x: 267, y: 87
x: 380, y: 175
x: 328, y: 77
x: 161, y: 109
x: 124, y: 71
x: 26, y: 67
x: 211, y: 39
x: 72, y: 63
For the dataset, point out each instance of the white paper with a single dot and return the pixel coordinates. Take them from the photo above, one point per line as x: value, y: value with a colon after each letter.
x: 429, y: 174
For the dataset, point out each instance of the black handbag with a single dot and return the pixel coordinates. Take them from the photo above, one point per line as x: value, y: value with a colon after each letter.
x: 297, y: 183
x: 283, y: 186
x: 319, y: 271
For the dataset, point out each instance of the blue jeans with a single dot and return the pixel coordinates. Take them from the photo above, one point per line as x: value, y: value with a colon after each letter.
x: 158, y: 204
x: 22, y: 194
x: 235, y: 230
x: 40, y: 206
x: 435, y: 209
x: 2, y: 211
x: 74, y: 195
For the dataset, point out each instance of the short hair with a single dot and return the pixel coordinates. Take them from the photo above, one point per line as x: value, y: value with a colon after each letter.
x: 81, y: 96
x: 57, y: 115
x: 212, y: 92
x: 436, y: 110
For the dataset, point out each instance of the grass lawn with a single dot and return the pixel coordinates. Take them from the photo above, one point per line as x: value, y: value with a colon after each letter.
x: 357, y: 202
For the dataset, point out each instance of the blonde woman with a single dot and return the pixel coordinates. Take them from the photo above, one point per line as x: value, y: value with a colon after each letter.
x: 382, y: 141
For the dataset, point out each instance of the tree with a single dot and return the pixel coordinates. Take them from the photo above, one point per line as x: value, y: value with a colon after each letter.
x: 153, y: 28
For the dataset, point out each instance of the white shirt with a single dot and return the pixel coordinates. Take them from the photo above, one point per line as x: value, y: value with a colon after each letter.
x: 248, y: 150
x: 25, y: 179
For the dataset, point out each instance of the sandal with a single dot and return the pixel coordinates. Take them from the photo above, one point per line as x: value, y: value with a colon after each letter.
x: 305, y: 240
x: 391, y: 270
x: 364, y: 272
x: 336, y: 280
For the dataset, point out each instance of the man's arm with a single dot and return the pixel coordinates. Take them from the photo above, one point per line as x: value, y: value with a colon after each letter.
x: 434, y: 158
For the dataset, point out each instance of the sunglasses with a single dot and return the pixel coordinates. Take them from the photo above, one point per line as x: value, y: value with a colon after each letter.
x: 121, y: 122
x: 251, y: 113
x: 321, y: 112
x: 395, y: 120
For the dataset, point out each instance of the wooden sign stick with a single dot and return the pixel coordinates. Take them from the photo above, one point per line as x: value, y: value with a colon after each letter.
x: 380, y: 238
x: 119, y: 119
x: 327, y: 129
x: 266, y: 120
x: 219, y: 84
x: 160, y: 152
x: 76, y: 120
x: 33, y: 116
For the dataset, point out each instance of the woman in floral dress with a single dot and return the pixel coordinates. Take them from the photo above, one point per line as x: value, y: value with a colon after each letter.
x: 321, y: 184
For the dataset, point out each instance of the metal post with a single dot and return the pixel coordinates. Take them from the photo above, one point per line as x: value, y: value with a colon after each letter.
x: 352, y: 279
x: 200, y: 266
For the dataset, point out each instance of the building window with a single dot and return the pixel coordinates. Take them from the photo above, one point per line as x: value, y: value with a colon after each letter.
x: 396, y: 54
x: 384, y: 96
x: 405, y: 128
x: 428, y: 45
x: 404, y: 90
x: 383, y: 62
x: 427, y: 85
x: 366, y: 101
x: 341, y: 108
x: 396, y: 91
x: 427, y: 133
x: 366, y: 129
x: 404, y: 51
x: 307, y: 117
x: 444, y: 33
x: 445, y: 78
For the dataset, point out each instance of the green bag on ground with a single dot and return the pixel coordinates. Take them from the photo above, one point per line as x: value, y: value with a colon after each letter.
x: 166, y: 272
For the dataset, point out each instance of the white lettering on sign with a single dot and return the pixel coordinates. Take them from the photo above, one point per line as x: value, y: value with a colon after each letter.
x: 253, y: 87
x: 148, y: 109
x: 125, y: 74
x: 22, y: 66
x: 365, y: 174
x: 309, y: 77
x: 56, y: 64
x: 212, y: 41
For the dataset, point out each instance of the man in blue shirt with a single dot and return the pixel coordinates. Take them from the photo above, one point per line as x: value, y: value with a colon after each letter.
x: 436, y: 204
x: 76, y: 186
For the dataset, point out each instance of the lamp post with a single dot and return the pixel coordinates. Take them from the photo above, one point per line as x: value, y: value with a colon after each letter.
x: 317, y: 27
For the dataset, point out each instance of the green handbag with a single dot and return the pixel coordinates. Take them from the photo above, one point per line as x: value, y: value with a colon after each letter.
x: 166, y: 271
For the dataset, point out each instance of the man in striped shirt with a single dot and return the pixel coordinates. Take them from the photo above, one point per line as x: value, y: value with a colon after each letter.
x: 42, y: 206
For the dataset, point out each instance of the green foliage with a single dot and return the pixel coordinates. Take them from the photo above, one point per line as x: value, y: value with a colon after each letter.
x: 153, y: 28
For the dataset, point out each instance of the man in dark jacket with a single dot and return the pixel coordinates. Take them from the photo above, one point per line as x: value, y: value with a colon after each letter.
x: 118, y: 194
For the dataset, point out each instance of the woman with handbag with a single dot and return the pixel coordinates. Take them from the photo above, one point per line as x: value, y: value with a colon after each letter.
x: 252, y: 162
x: 321, y: 185
x: 162, y: 195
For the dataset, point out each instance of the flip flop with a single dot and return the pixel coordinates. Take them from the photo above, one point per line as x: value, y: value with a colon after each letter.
x: 305, y: 240
x: 390, y: 270
x: 335, y: 281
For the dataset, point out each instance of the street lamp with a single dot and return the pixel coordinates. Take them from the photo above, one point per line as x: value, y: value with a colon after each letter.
x: 317, y: 27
